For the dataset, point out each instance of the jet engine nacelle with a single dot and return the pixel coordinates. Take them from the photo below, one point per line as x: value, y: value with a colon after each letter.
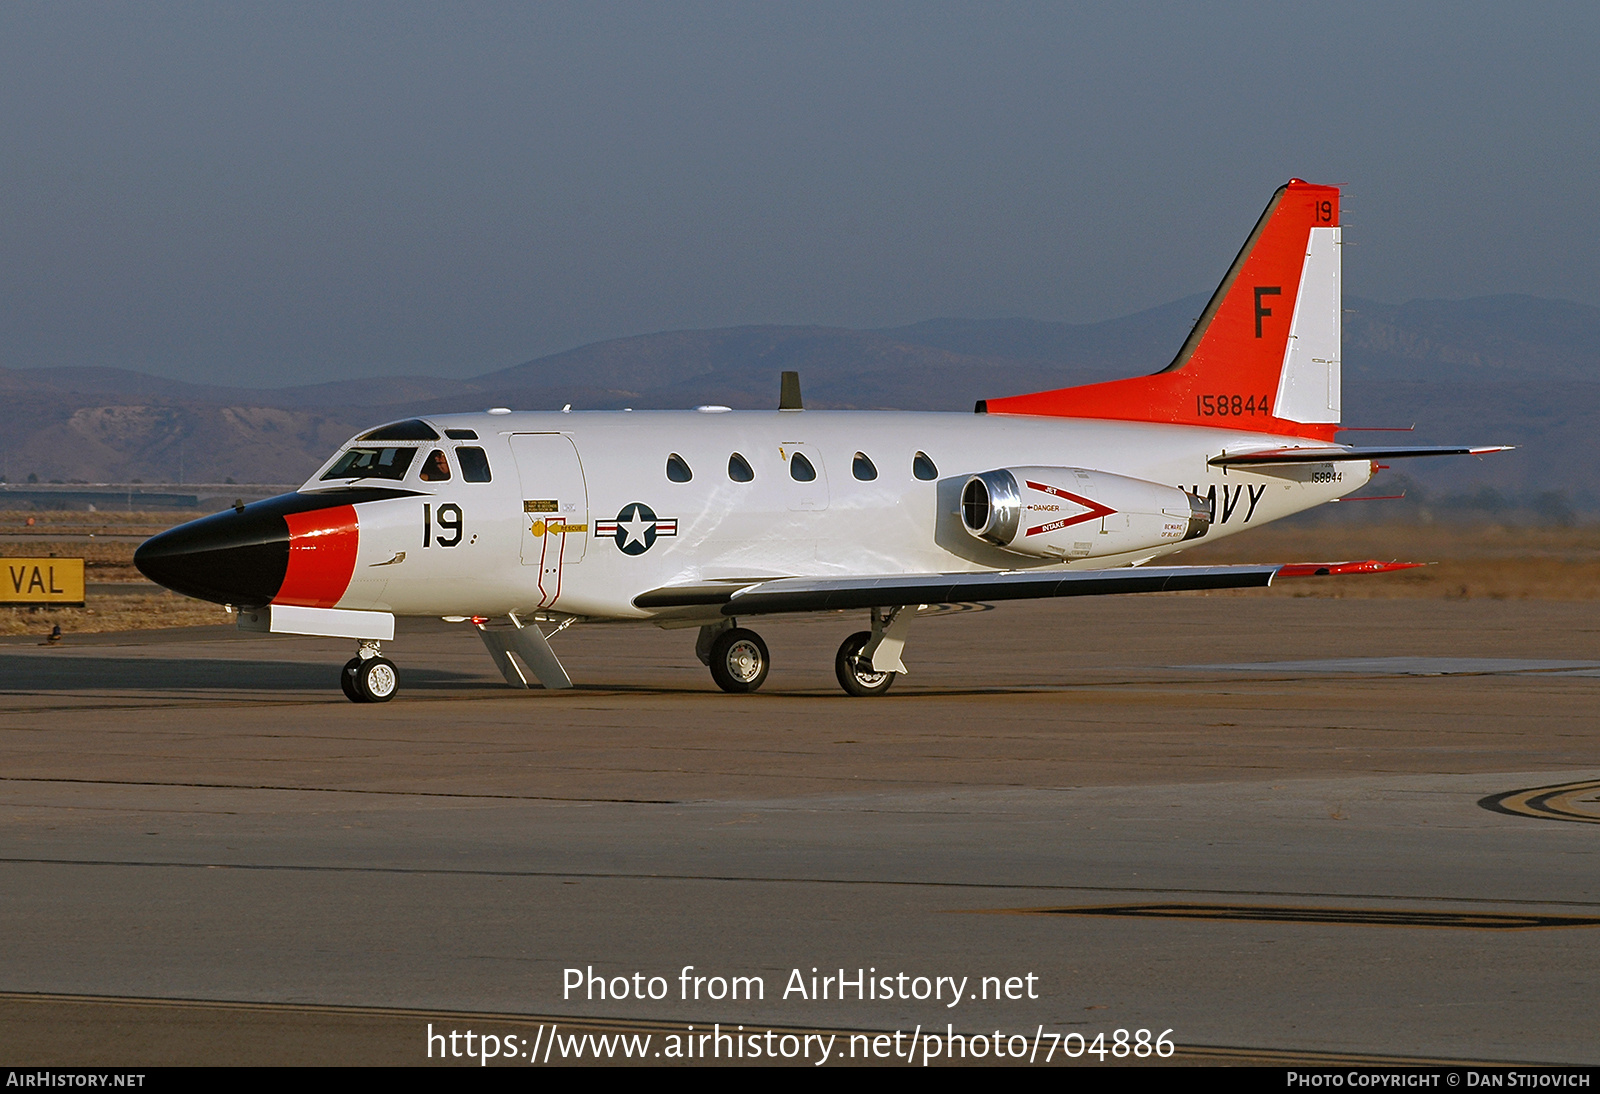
x: 1068, y: 512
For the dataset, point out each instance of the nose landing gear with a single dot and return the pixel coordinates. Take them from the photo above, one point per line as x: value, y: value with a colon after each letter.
x: 369, y: 677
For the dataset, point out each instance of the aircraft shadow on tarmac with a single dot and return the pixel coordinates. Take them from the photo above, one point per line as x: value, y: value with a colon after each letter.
x: 35, y: 674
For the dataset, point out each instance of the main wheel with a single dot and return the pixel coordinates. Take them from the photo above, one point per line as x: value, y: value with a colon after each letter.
x: 856, y: 674
x: 376, y: 680
x: 347, y: 680
x: 739, y: 660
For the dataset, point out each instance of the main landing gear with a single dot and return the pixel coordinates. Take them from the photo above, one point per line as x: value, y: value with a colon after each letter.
x: 738, y: 660
x: 737, y: 657
x: 369, y: 677
x: 855, y: 672
x: 868, y: 661
x: 866, y: 664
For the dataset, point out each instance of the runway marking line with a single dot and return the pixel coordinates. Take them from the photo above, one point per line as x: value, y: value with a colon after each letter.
x: 337, y: 790
x: 576, y: 1022
x: 1357, y: 917
x: 759, y: 879
x: 1564, y: 802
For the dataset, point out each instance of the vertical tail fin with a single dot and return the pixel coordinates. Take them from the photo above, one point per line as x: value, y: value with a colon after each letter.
x: 1264, y: 355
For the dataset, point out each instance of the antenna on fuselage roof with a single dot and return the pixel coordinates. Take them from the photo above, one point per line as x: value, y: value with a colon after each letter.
x: 789, y: 392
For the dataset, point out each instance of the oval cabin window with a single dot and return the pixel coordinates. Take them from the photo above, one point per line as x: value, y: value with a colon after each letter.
x: 739, y: 468
x: 863, y: 469
x: 800, y: 469
x: 678, y: 469
x: 923, y: 468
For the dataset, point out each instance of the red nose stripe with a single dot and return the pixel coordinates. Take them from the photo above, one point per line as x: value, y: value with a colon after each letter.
x: 322, y: 556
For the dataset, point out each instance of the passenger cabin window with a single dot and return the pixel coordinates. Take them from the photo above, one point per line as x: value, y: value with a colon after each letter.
x: 474, y: 464
x: 461, y: 434
x: 678, y: 468
x: 923, y: 468
x: 739, y: 468
x: 435, y: 468
x: 412, y: 429
x: 862, y: 468
x: 800, y: 469
x: 372, y: 463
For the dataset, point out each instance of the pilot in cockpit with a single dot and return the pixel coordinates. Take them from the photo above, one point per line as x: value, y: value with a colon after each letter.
x: 437, y: 469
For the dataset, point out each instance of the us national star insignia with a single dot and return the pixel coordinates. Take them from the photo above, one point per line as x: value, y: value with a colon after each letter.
x: 636, y: 528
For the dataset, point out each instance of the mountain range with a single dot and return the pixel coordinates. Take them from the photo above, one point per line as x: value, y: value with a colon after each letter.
x: 1495, y: 370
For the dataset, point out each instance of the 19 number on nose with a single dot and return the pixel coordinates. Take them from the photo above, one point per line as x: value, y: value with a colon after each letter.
x: 449, y: 521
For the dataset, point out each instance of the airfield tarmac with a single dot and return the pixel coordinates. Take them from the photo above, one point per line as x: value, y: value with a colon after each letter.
x: 1259, y: 822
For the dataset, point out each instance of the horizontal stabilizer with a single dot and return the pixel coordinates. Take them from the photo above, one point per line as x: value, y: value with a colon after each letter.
x: 1334, y: 453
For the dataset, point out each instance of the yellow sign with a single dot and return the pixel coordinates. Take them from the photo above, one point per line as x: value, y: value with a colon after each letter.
x: 539, y: 506
x: 41, y: 581
x: 556, y: 528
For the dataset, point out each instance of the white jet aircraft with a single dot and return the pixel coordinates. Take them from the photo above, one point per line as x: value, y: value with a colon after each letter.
x: 702, y: 518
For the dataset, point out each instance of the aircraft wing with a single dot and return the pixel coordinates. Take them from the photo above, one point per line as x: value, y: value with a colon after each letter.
x: 811, y: 594
x: 1333, y: 453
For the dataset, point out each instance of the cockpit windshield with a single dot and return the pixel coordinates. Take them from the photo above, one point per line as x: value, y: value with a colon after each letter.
x: 372, y: 463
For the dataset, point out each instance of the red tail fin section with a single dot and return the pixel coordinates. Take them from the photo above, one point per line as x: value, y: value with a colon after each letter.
x: 1264, y: 355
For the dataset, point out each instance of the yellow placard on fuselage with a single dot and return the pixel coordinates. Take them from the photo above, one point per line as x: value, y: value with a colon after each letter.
x: 41, y: 581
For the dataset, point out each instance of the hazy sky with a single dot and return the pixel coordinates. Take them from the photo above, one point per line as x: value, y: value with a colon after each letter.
x: 275, y: 193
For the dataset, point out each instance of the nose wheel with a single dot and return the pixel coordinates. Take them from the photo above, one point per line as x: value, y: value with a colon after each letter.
x: 739, y: 660
x: 369, y: 679
x: 855, y: 672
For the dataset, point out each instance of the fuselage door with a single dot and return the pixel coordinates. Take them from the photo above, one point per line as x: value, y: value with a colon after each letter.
x: 555, y: 500
x: 805, y: 479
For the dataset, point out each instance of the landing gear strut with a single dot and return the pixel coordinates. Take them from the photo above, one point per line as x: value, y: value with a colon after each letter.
x: 369, y: 677
x: 868, y: 661
x: 855, y: 672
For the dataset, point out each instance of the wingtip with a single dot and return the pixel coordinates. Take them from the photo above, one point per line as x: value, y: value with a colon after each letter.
x: 1337, y: 569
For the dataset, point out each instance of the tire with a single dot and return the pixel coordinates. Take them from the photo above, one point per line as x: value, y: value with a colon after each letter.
x: 856, y: 676
x: 377, y: 680
x: 347, y: 680
x: 739, y: 661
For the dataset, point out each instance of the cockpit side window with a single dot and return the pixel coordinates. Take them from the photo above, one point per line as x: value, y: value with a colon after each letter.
x: 372, y: 463
x: 474, y: 464
x: 436, y: 468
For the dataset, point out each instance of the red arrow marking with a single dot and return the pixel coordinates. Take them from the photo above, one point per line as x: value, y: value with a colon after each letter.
x: 1095, y: 509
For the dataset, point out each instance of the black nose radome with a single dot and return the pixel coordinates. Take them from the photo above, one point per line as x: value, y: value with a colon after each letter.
x: 238, y: 556
x: 231, y: 557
